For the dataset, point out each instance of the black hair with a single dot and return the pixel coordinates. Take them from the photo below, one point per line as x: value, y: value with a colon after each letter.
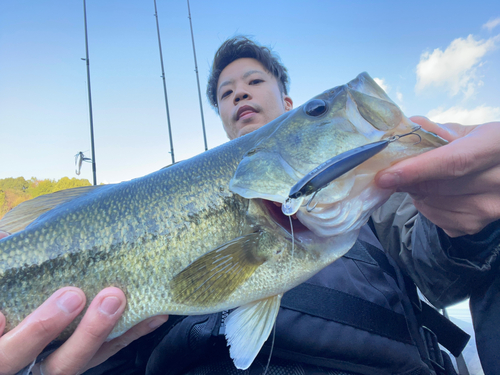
x: 240, y: 47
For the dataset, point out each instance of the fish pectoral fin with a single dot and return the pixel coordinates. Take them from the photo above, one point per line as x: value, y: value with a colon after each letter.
x: 211, y: 278
x: 248, y: 327
x: 27, y: 212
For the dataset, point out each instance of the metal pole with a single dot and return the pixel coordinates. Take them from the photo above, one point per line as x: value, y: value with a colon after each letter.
x: 197, y: 79
x: 164, y: 88
x: 89, y: 91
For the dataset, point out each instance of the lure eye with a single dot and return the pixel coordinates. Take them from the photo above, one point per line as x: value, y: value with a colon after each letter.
x: 315, y: 107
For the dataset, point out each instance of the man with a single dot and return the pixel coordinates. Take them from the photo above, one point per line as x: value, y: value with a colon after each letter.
x: 456, y: 189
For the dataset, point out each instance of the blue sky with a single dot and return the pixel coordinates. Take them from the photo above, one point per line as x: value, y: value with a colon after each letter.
x: 435, y: 58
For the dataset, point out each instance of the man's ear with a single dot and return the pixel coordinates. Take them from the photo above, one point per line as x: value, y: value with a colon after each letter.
x: 288, y: 103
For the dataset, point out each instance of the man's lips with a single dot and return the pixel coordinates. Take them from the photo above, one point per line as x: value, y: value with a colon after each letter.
x: 244, y: 111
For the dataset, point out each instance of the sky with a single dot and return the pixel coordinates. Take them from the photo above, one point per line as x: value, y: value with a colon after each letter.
x: 435, y: 58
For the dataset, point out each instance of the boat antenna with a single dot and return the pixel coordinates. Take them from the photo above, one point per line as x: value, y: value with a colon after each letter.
x: 89, y: 91
x: 197, y: 78
x: 164, y: 88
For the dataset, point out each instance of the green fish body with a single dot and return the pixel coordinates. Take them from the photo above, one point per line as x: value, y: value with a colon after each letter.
x: 203, y: 235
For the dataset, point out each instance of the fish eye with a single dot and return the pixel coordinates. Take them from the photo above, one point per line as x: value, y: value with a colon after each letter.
x: 315, y: 107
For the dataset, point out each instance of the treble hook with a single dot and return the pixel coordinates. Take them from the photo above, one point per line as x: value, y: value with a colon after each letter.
x: 308, y: 208
x: 413, y: 132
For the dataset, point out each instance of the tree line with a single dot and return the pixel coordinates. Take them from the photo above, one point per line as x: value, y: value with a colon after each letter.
x: 14, y: 191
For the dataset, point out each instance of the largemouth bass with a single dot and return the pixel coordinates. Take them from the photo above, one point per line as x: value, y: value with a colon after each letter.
x: 204, y: 235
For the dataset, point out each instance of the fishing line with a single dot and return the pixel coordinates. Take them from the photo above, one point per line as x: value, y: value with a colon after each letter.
x: 291, y: 257
x: 286, y: 283
x: 272, y: 347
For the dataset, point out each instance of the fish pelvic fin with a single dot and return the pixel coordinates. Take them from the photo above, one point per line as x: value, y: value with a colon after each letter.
x: 211, y: 278
x: 248, y: 327
x: 27, y: 212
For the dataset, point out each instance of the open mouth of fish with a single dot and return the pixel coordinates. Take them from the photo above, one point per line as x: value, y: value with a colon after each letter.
x: 275, y: 212
x: 337, y: 210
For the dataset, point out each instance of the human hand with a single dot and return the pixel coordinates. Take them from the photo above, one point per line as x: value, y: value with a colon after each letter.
x: 456, y: 186
x: 86, y: 347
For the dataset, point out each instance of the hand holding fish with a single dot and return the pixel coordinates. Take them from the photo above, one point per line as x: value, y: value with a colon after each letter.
x: 456, y: 186
x: 85, y: 348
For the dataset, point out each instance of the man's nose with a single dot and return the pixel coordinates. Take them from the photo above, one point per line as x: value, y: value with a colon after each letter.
x: 241, y: 95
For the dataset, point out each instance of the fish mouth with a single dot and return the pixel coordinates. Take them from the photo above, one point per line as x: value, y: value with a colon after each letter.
x: 329, y: 216
x: 322, y: 239
x: 274, y: 211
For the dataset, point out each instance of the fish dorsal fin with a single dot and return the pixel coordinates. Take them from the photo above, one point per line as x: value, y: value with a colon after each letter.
x: 215, y: 275
x: 27, y: 212
x: 248, y: 327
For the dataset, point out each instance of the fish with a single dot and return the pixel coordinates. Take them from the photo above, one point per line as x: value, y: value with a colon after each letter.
x: 207, y: 234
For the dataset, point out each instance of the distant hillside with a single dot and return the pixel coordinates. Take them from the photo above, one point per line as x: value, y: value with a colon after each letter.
x: 14, y: 191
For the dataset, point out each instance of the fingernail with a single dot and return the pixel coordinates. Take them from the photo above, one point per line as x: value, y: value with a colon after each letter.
x: 388, y: 180
x: 69, y: 301
x: 155, y: 323
x: 110, y: 305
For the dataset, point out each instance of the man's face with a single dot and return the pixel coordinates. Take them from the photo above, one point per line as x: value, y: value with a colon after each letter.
x: 248, y: 97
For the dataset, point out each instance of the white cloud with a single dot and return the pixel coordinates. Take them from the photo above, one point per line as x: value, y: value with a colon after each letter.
x: 491, y: 24
x: 381, y: 83
x: 399, y: 96
x: 454, y: 68
x: 478, y: 115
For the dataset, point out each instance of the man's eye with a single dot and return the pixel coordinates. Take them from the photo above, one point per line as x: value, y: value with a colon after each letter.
x: 256, y: 81
x: 226, y: 94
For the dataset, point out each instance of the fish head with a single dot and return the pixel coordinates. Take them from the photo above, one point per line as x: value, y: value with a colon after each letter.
x: 336, y: 121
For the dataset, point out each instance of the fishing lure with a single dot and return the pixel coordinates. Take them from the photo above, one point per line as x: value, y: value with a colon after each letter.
x: 325, y: 173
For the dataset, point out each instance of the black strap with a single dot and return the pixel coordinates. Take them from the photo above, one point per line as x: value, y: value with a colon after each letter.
x: 346, y: 309
x: 448, y: 334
